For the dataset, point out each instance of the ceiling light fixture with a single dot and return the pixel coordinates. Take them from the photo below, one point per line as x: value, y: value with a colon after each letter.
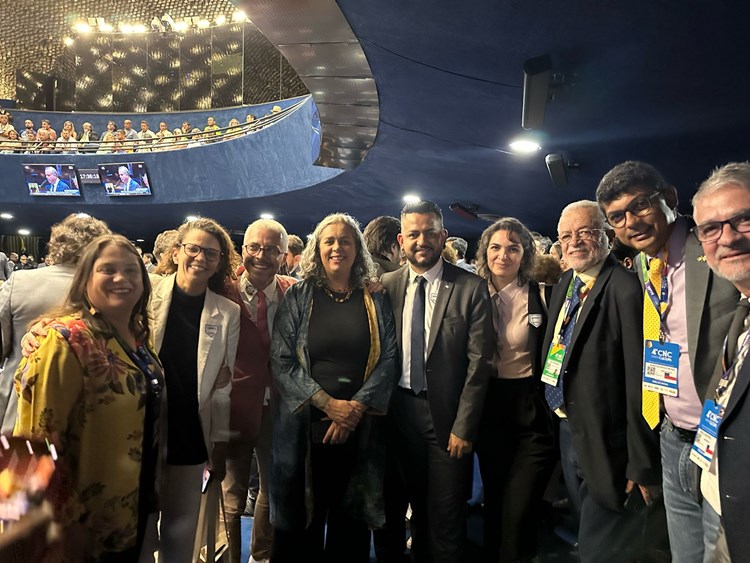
x: 412, y: 198
x: 239, y: 16
x: 191, y: 218
x: 524, y: 146
x: 24, y: 232
x: 82, y: 27
x: 266, y: 216
x: 6, y: 216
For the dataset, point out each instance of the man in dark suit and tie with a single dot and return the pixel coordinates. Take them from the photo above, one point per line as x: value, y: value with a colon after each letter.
x: 53, y: 183
x: 694, y: 308
x: 592, y: 374
x: 445, y: 335
x: 722, y: 213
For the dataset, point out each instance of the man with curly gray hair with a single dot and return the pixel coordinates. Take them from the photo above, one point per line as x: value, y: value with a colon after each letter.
x: 31, y: 293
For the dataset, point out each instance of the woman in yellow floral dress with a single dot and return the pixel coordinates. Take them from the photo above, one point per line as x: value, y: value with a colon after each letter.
x: 93, y: 387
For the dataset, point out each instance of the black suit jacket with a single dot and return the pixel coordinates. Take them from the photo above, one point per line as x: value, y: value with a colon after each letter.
x: 734, y: 461
x: 709, y: 305
x: 602, y: 385
x: 536, y: 333
x: 459, y: 352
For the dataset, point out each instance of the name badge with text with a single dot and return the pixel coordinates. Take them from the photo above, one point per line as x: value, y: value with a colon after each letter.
x: 553, y: 364
x: 704, y: 445
x: 660, y: 363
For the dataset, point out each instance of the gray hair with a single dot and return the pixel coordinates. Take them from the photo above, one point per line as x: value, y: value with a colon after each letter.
x: 271, y: 225
x: 737, y: 173
x: 600, y: 222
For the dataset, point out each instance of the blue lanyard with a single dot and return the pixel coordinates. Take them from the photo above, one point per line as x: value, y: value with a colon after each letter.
x: 145, y: 362
x: 569, y: 313
x: 663, y: 298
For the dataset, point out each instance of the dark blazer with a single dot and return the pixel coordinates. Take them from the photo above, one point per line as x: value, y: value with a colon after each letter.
x: 536, y: 333
x: 734, y: 460
x: 459, y: 352
x: 602, y: 385
x: 710, y: 303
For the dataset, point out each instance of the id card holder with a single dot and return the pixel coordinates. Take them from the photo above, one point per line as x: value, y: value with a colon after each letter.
x: 704, y: 445
x: 660, y: 364
x: 553, y: 364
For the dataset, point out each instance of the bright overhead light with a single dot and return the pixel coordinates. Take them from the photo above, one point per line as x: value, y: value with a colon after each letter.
x: 239, y: 16
x: 68, y: 41
x: 126, y: 28
x: 139, y: 240
x: 180, y: 26
x: 139, y: 28
x: 6, y: 216
x: 221, y: 19
x: 266, y: 216
x: 191, y: 218
x: 105, y: 27
x: 24, y: 232
x: 524, y: 146
x: 203, y: 23
x: 82, y: 27
x: 412, y: 198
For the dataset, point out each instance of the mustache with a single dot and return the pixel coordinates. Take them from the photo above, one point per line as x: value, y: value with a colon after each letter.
x: 740, y: 245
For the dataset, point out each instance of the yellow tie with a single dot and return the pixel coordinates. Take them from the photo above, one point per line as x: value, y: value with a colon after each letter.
x: 651, y: 331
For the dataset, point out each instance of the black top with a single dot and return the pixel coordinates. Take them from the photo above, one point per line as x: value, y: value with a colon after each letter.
x: 339, y: 343
x: 179, y: 355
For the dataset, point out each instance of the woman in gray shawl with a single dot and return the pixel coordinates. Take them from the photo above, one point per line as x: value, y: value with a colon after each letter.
x: 334, y: 367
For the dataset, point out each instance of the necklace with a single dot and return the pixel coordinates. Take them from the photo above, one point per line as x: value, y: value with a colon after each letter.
x: 343, y: 299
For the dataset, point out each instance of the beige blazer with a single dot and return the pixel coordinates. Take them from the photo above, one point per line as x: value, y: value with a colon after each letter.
x: 217, y: 348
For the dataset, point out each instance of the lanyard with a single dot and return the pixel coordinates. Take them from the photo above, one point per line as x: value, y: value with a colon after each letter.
x: 569, y: 313
x: 660, y: 303
x: 728, y: 374
x: 145, y: 362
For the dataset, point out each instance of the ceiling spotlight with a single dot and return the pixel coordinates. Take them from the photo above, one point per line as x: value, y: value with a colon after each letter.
x: 126, y: 28
x: 140, y: 240
x: 106, y: 27
x: 203, y: 24
x: 82, y: 27
x: 266, y: 216
x: 181, y: 26
x: 6, y: 216
x: 68, y: 41
x: 139, y: 28
x: 221, y: 19
x: 239, y: 16
x: 524, y: 146
x: 412, y: 198
x: 537, y: 76
x: 24, y: 232
x: 191, y: 218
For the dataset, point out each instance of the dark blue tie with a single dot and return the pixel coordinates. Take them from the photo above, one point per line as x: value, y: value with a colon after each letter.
x: 554, y: 395
x: 417, y: 369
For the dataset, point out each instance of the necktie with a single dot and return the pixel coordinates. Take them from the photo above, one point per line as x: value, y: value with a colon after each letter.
x: 261, y: 320
x: 738, y: 326
x: 417, y: 368
x: 652, y: 331
x: 554, y: 395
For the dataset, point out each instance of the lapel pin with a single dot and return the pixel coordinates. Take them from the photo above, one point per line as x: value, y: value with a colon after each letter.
x: 701, y: 258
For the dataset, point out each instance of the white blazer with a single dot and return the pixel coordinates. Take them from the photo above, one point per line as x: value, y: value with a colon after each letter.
x: 217, y: 348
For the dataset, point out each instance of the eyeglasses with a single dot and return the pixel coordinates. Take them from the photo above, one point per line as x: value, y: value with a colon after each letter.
x: 254, y: 249
x: 711, y: 231
x: 193, y: 250
x: 580, y: 234
x: 639, y: 207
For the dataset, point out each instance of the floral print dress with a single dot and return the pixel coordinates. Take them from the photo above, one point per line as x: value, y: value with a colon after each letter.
x: 87, y: 396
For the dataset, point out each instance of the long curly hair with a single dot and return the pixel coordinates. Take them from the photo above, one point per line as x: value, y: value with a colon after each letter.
x: 228, y: 262
x: 311, y: 266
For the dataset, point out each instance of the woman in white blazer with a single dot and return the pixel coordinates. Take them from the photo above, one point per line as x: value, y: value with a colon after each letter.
x: 195, y: 334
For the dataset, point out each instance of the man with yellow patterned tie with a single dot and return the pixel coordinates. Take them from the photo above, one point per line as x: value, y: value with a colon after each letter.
x: 687, y: 311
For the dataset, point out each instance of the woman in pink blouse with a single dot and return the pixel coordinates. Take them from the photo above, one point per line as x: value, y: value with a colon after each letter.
x: 515, y: 446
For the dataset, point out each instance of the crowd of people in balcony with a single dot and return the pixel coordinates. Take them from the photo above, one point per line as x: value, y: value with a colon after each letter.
x: 119, y: 139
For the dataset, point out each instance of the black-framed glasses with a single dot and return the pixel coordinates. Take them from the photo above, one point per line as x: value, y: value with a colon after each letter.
x: 193, y: 250
x: 711, y: 230
x: 254, y: 249
x: 639, y: 207
x: 580, y: 234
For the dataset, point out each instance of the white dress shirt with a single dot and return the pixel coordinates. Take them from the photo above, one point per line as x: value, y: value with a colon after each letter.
x: 432, y: 286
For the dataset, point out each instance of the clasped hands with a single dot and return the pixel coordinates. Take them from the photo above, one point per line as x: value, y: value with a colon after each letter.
x: 345, y: 416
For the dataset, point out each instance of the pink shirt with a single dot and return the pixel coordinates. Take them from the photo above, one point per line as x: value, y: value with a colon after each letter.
x: 684, y: 410
x: 512, y: 328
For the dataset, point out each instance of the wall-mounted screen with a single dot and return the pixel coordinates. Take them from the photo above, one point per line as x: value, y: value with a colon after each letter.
x: 125, y: 179
x: 52, y: 179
